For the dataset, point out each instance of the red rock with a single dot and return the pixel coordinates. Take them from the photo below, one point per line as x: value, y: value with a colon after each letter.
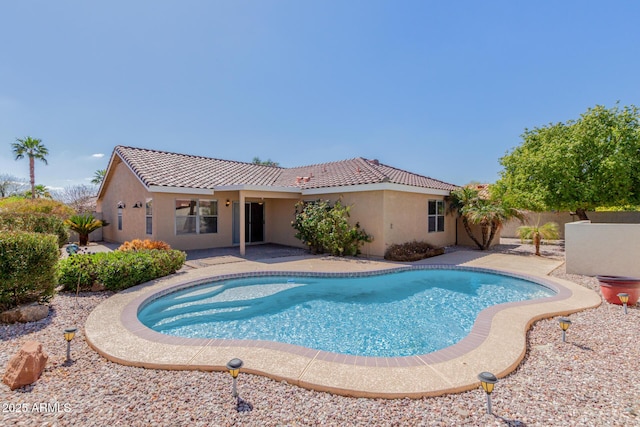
x: 26, y: 366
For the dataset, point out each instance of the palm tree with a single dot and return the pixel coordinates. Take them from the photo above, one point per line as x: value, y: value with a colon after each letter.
x: 461, y: 201
x: 98, y: 176
x: 83, y: 225
x: 536, y: 233
x: 490, y: 215
x: 40, y: 192
x: 33, y: 148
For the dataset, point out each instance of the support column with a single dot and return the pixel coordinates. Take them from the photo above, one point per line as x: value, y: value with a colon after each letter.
x: 242, y: 224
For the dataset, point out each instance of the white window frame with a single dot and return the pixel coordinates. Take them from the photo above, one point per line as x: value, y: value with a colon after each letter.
x: 438, y: 216
x: 148, y: 216
x: 197, y: 217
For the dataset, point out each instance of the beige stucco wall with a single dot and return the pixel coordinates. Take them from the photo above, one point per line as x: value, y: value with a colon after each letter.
x: 602, y: 249
x: 122, y: 185
x: 278, y: 216
x: 393, y: 217
x: 465, y: 240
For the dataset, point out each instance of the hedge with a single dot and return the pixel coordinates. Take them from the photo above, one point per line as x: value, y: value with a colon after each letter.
x: 35, y: 223
x: 27, y: 267
x: 117, y: 270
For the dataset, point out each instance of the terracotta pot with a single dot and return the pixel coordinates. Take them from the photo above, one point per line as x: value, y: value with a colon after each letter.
x: 611, y: 286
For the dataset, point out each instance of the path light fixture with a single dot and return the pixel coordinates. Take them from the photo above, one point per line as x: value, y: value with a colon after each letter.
x: 624, y: 299
x: 488, y: 381
x: 564, y: 325
x: 69, y: 333
x: 234, y: 366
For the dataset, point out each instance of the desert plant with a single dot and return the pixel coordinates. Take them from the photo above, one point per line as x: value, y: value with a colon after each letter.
x: 83, y: 225
x: 489, y: 214
x: 137, y: 245
x: 411, y: 251
x: 537, y: 233
x: 27, y: 267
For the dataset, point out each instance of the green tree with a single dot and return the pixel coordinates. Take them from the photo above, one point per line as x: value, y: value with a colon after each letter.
x: 578, y: 165
x: 83, y: 225
x: 32, y: 148
x: 536, y: 233
x: 98, y: 176
x: 256, y: 161
x: 489, y: 214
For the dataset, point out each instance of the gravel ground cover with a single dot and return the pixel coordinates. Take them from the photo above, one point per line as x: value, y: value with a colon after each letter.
x: 591, y: 380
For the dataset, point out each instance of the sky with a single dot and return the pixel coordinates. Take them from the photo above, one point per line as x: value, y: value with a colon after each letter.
x: 439, y: 88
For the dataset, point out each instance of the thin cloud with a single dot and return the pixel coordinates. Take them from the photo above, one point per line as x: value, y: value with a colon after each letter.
x: 97, y: 155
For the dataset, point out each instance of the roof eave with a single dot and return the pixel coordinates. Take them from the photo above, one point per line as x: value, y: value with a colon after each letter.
x: 381, y: 186
x: 181, y: 190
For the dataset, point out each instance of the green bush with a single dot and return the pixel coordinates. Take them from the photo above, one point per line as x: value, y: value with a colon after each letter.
x: 117, y: 270
x: 27, y: 267
x: 411, y: 251
x: 35, y: 223
x: 325, y: 228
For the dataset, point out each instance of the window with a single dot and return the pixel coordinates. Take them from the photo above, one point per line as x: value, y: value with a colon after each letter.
x: 436, y: 215
x: 208, y: 216
x: 195, y: 216
x: 149, y: 216
x: 120, y: 219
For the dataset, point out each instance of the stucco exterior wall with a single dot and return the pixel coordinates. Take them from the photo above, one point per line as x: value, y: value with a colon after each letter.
x: 465, y: 240
x: 278, y: 216
x: 123, y: 186
x: 602, y: 249
x: 164, y: 222
x: 393, y: 217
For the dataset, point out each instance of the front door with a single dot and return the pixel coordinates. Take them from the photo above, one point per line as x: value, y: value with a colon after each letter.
x: 253, y: 222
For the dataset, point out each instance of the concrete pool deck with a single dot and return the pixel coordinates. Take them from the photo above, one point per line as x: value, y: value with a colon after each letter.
x: 497, y: 342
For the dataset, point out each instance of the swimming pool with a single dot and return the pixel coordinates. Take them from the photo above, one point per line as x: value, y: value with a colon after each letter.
x: 411, y: 312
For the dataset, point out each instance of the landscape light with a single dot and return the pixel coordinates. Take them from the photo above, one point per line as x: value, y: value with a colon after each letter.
x: 564, y: 325
x: 69, y: 333
x: 488, y: 381
x: 624, y: 299
x: 234, y: 366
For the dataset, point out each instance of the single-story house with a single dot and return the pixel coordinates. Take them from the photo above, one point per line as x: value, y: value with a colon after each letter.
x: 193, y: 202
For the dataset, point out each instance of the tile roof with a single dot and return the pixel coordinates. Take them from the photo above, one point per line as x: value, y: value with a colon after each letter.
x: 160, y: 168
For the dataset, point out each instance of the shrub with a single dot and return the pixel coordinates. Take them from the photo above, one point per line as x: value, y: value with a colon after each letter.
x: 137, y: 244
x: 326, y: 228
x: 411, y: 251
x: 35, y: 223
x: 27, y: 267
x: 118, y: 270
x: 43, y: 206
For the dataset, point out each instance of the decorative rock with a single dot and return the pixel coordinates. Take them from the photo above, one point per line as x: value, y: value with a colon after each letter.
x: 25, y: 313
x: 97, y: 287
x: 26, y: 366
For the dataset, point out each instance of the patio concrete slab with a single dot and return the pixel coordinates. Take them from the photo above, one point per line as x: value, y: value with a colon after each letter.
x: 497, y: 342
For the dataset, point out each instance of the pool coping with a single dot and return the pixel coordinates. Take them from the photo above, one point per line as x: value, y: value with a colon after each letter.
x: 496, y: 343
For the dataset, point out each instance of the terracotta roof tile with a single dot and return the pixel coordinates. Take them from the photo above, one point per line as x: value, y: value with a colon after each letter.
x: 180, y: 170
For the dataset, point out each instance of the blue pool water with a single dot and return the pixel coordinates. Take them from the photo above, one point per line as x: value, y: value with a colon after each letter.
x: 387, y: 315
